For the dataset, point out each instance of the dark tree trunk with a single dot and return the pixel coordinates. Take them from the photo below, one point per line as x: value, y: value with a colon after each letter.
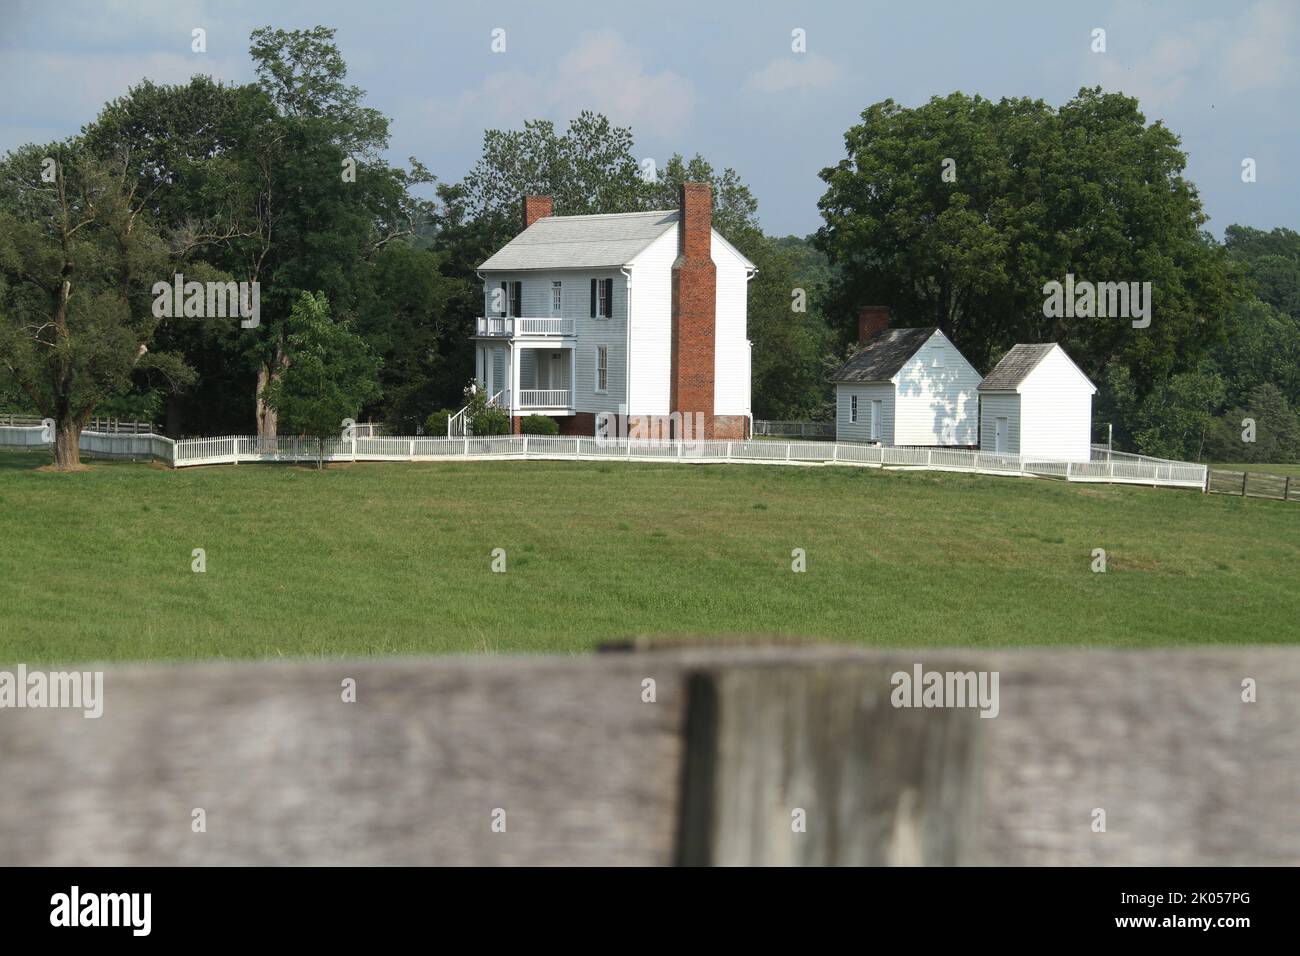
x: 67, y: 443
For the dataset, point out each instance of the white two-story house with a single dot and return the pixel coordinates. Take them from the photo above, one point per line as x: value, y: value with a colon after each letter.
x: 629, y: 317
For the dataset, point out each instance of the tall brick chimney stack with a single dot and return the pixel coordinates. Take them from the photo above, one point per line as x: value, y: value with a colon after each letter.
x: 872, y: 319
x: 694, y: 286
x: 535, y: 208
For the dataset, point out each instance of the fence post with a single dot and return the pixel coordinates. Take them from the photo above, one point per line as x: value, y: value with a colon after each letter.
x: 467, y: 444
x: 1286, y: 489
x: 1245, y: 477
x: 526, y: 445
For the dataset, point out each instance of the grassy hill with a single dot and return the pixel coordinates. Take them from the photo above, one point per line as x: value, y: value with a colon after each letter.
x: 395, y: 559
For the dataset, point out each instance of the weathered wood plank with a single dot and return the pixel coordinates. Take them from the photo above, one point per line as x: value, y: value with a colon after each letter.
x: 590, y: 774
x: 812, y: 766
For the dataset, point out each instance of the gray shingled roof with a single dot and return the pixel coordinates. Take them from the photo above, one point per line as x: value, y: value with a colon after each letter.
x: 582, y: 242
x: 884, y: 354
x: 1015, y: 367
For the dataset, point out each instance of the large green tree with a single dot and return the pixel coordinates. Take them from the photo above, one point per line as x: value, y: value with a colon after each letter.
x: 280, y: 182
x: 78, y: 258
x: 956, y: 213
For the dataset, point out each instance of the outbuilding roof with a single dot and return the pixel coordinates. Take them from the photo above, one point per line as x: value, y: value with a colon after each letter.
x: 1015, y: 367
x: 883, y: 355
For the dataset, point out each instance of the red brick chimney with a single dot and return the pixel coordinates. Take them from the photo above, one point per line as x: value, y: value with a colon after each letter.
x: 872, y: 319
x: 535, y: 208
x: 693, y: 323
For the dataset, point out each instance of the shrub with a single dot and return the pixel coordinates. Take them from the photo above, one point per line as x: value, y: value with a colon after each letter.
x: 491, y: 421
x: 436, y: 424
x: 539, y: 425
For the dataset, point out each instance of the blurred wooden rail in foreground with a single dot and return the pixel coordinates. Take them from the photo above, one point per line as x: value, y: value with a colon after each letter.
x: 738, y: 739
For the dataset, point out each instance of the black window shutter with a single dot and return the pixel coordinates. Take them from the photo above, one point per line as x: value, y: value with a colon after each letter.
x: 593, y: 298
x: 609, y: 298
x: 505, y: 297
x: 516, y: 298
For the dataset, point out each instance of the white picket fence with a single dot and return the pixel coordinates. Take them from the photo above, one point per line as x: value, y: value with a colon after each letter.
x: 234, y: 449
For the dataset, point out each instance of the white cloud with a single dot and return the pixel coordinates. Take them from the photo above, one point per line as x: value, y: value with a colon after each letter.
x: 1260, y: 58
x: 1246, y: 52
x: 802, y: 72
x: 64, y: 90
x: 602, y: 73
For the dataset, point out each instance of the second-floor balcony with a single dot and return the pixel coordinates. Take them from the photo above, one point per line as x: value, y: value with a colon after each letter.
x: 508, y: 326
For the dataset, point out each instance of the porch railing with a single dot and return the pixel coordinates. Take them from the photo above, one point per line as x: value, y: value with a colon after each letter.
x: 512, y: 325
x: 545, y: 398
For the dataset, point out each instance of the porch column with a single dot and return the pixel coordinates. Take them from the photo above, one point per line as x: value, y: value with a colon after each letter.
x: 573, y: 378
x: 516, y: 361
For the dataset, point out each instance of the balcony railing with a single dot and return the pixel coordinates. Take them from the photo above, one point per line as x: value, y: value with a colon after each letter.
x: 511, y: 325
x: 545, y: 398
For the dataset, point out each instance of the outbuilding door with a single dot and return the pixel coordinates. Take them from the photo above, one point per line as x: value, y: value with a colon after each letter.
x: 1000, y: 436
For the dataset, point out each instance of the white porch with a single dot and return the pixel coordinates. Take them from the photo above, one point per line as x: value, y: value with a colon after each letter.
x: 529, y: 378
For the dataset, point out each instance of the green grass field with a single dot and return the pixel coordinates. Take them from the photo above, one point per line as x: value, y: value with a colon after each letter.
x: 395, y: 559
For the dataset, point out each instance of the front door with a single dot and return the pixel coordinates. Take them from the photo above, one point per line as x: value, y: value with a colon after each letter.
x: 557, y: 371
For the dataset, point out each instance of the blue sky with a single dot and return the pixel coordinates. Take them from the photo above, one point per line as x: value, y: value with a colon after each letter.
x: 717, y: 78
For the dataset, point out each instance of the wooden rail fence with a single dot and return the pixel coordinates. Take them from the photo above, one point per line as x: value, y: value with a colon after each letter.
x: 580, y: 769
x: 1253, y: 484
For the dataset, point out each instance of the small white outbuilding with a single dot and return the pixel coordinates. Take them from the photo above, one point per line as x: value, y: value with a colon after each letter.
x: 907, y: 387
x: 1037, y: 403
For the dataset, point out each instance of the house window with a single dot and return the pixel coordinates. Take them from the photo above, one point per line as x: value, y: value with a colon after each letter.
x: 512, y: 298
x: 556, y: 298
x: 877, y: 411
x: 936, y: 357
x: 602, y: 368
x: 602, y: 298
x: 853, y: 410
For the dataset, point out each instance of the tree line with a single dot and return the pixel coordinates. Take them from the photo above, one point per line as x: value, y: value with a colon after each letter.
x: 955, y: 213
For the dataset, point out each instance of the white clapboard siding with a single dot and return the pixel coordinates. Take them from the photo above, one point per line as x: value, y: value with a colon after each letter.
x: 846, y: 429
x: 731, y: 380
x: 936, y: 405
x: 1056, y: 410
x: 652, y: 326
x: 995, y: 405
x: 589, y: 332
